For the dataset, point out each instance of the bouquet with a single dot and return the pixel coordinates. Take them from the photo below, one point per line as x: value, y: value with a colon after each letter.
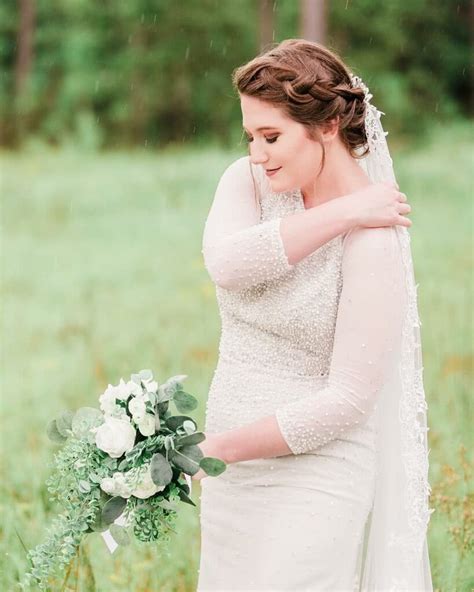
x: 120, y: 470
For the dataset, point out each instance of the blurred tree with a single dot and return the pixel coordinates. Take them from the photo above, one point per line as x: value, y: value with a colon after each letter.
x: 24, y: 54
x: 157, y: 71
x: 313, y: 20
x: 267, y: 30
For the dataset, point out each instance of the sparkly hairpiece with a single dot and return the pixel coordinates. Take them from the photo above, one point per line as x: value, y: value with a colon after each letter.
x: 373, y: 129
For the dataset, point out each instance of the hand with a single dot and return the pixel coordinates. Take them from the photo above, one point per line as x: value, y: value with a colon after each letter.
x: 209, y: 447
x: 379, y: 204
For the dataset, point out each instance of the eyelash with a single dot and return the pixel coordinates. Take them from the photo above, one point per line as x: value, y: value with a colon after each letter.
x: 269, y: 140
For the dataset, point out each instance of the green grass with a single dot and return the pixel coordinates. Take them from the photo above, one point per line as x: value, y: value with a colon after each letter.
x: 103, y: 275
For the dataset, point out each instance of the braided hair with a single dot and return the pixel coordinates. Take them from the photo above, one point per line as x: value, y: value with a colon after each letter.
x: 312, y: 85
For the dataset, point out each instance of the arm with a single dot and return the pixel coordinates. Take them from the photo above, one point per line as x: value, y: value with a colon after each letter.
x: 240, y: 251
x: 368, y: 331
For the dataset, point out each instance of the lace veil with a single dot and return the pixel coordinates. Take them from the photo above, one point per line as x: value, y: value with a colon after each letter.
x: 395, y: 554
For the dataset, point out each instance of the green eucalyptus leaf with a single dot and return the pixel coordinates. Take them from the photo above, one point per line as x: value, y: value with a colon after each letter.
x: 110, y: 463
x: 84, y: 486
x: 84, y: 420
x: 64, y: 423
x: 161, y: 395
x: 184, y: 487
x: 176, y: 421
x: 185, y: 462
x: 113, y: 509
x: 189, y: 426
x: 99, y: 525
x: 146, y: 374
x: 213, y: 466
x: 53, y: 433
x: 157, y: 422
x: 136, y: 378
x: 193, y: 452
x: 195, y: 438
x: 169, y: 443
x: 184, y: 401
x: 162, y: 408
x: 123, y: 464
x: 120, y: 534
x: 167, y: 505
x: 169, y: 388
x: 184, y: 498
x: 160, y: 470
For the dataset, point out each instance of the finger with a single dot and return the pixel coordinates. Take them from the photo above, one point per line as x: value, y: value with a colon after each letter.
x: 402, y: 221
x: 404, y: 208
x: 402, y: 197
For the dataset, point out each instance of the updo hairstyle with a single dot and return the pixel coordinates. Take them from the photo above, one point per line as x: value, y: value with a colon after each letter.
x: 312, y: 86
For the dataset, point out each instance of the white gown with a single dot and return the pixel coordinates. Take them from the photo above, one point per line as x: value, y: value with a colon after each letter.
x: 311, y: 343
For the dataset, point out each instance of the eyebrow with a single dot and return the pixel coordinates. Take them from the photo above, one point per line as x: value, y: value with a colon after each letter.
x: 260, y: 129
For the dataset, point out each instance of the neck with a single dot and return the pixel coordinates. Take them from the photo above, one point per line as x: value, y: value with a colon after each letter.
x: 341, y: 175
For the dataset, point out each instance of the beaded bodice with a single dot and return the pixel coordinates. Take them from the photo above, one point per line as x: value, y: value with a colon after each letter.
x: 285, y: 324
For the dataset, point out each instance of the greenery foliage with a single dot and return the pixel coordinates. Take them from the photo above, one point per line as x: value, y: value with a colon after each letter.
x: 153, y: 72
x: 95, y: 489
x: 94, y: 246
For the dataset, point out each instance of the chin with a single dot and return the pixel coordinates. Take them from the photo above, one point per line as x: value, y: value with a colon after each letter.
x: 280, y: 186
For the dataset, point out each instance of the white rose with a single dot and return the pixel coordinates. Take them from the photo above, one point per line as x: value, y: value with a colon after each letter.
x: 115, y: 436
x: 147, y: 425
x: 116, y: 485
x: 134, y: 388
x: 108, y: 485
x: 107, y: 401
x: 137, y: 408
x: 122, y: 486
x: 123, y: 390
x: 146, y: 487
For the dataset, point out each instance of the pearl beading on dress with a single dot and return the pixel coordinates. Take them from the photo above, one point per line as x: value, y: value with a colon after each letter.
x: 279, y: 322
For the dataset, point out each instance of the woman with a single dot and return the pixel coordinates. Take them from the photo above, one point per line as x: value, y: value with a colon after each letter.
x: 317, y: 403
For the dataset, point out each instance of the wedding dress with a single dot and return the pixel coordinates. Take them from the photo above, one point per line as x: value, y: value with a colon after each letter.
x: 316, y: 344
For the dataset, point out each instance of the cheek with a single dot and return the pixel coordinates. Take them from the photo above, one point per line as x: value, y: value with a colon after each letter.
x: 310, y: 157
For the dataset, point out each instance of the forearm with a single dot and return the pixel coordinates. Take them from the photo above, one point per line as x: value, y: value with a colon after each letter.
x: 260, y: 439
x: 304, y: 232
x: 268, y: 250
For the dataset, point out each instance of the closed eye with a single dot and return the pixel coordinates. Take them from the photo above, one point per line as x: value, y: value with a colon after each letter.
x: 269, y: 140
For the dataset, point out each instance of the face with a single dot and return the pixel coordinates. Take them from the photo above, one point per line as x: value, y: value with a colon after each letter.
x: 282, y: 145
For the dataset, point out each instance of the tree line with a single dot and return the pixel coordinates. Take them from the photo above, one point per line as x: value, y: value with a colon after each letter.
x: 151, y: 72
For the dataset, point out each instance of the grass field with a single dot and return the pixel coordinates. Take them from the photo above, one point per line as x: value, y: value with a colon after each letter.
x: 103, y: 275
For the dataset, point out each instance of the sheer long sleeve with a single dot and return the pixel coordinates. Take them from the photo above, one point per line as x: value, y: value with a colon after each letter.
x: 240, y: 251
x: 367, y: 335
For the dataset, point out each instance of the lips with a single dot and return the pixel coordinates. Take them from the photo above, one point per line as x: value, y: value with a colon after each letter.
x: 270, y: 172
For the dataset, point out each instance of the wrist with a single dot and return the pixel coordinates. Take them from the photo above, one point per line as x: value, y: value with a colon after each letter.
x: 345, y: 213
x: 215, y: 445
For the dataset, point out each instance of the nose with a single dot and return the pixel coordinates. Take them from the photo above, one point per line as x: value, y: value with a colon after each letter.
x: 257, y: 155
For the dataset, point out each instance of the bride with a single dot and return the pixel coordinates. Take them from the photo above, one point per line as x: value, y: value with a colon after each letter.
x: 317, y: 402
